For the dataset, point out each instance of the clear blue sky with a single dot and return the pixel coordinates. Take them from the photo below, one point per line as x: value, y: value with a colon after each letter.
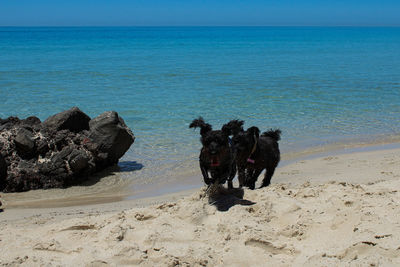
x: 199, y: 12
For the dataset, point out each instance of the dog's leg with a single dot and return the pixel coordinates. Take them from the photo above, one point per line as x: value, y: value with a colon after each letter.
x: 204, y: 171
x: 231, y: 176
x: 267, y: 177
x: 230, y: 184
x: 248, y: 178
x: 252, y: 181
x: 251, y: 185
x: 241, y: 176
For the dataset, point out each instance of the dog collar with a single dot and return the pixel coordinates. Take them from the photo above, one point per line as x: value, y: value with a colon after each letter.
x: 249, y: 159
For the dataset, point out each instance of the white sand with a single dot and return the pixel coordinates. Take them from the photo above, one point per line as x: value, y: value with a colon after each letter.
x: 353, y: 221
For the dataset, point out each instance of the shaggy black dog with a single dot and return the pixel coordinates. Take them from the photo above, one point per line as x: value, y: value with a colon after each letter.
x: 254, y: 153
x: 217, y: 162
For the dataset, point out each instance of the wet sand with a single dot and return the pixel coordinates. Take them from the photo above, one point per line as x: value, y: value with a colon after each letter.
x: 120, y: 184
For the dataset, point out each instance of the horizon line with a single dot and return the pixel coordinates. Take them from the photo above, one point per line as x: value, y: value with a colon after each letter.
x: 160, y: 26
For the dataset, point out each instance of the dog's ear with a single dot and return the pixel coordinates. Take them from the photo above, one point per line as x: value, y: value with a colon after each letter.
x: 204, y: 127
x: 233, y: 127
x: 254, y: 131
x: 274, y: 134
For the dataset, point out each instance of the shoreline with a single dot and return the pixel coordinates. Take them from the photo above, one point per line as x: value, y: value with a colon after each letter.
x: 373, y: 142
x: 120, y: 193
x: 286, y: 173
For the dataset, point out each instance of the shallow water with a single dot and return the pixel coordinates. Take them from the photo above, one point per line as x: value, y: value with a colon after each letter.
x: 320, y: 86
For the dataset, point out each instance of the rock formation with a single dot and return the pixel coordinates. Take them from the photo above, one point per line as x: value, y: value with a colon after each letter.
x: 62, y: 151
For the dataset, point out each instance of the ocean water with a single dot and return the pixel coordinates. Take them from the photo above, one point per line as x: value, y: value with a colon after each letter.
x: 319, y: 85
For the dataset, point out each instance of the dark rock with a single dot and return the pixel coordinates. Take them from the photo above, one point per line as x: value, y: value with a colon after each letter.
x: 73, y: 120
x: 42, y: 147
x: 23, y: 177
x: 78, y: 161
x: 32, y: 120
x: 112, y: 136
x: 60, y: 151
x: 3, y: 172
x: 60, y: 157
x: 10, y: 120
x: 29, y: 123
x: 61, y: 139
x: 8, y: 123
x: 24, y: 142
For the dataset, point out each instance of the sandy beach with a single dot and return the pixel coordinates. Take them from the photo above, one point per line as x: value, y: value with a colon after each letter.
x: 341, y: 209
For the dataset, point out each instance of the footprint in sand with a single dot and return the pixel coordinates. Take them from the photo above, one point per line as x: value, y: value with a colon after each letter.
x: 330, y: 158
x: 269, y: 247
x: 79, y: 228
x: 97, y: 263
x: 53, y: 246
x: 292, y: 172
x: 143, y: 217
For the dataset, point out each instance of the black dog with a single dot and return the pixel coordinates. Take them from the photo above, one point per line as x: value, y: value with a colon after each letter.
x: 216, y: 155
x: 254, y: 153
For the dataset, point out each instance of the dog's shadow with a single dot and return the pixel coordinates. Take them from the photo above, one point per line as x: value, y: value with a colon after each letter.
x: 223, y: 199
x: 129, y: 166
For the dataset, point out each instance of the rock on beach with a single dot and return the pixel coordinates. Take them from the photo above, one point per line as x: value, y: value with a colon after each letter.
x: 65, y: 149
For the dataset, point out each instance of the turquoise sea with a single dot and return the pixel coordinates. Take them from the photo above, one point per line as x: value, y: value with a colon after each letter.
x: 319, y: 85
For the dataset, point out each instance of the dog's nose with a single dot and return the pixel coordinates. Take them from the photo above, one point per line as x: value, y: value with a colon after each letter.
x: 213, y: 148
